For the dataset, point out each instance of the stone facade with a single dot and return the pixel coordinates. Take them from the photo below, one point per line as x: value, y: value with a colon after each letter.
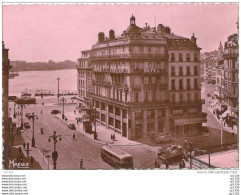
x: 145, y: 82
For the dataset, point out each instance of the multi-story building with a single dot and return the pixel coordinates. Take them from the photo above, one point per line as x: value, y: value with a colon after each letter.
x: 147, y: 81
x: 84, y: 81
x: 6, y: 119
x: 230, y: 56
x: 219, y: 73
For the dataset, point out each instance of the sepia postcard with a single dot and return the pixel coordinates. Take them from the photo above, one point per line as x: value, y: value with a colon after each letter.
x: 110, y: 87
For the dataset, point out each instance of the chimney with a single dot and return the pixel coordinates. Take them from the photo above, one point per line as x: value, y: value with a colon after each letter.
x: 101, y: 37
x: 193, y: 39
x: 111, y: 34
x: 167, y: 30
x: 160, y: 27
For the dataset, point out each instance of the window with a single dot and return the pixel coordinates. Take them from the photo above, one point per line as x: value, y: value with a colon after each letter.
x: 136, y: 97
x: 188, y: 57
x: 124, y: 113
x: 153, y: 80
x: 173, y: 57
x: 195, y: 57
x: 180, y: 71
x: 172, y: 71
x: 138, y: 115
x: 154, y: 96
x: 97, y: 104
x: 110, y: 109
x: 102, y: 106
x: 188, y: 84
x: 195, y: 84
x: 146, y: 80
x: 195, y: 70
x: 188, y: 71
x: 111, y: 122
x: 180, y: 85
x: 117, y: 111
x: 180, y: 57
x: 188, y: 97
x: 177, y: 112
x: 149, y: 49
x: 181, y: 97
x: 146, y: 97
x: 173, y: 98
x: 173, y: 84
x: 150, y: 114
x: 196, y: 96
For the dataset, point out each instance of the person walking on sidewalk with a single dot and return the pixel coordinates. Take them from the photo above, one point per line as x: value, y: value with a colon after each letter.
x: 74, y: 137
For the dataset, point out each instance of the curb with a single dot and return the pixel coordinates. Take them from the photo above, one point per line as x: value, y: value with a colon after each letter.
x: 99, y: 142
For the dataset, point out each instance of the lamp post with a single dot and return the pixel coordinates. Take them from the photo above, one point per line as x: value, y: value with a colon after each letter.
x: 14, y: 112
x: 58, y: 89
x: 21, y: 106
x: 55, y: 138
x: 221, y: 133
x: 63, y: 100
x: 33, y: 116
x: 93, y: 118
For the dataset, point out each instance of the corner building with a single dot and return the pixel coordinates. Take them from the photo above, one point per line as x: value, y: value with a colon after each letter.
x: 134, y: 88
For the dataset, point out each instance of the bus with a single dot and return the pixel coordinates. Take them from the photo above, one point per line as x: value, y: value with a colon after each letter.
x: 116, y: 158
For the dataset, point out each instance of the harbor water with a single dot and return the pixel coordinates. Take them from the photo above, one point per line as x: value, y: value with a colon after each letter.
x: 32, y: 81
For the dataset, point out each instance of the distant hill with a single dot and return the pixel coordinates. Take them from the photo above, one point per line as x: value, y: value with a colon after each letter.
x: 209, y: 54
x: 38, y: 66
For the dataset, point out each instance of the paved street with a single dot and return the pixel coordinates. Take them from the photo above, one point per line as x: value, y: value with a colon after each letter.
x: 70, y: 152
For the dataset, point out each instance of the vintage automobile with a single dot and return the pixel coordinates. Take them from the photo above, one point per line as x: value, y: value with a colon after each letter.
x: 55, y: 112
x: 71, y: 126
x: 26, y: 125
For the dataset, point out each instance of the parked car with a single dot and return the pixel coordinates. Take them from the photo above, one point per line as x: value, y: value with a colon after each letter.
x: 26, y: 125
x: 55, y: 112
x: 28, y: 115
x: 72, y: 126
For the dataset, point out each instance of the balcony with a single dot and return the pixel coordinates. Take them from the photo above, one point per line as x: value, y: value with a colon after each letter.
x: 130, y: 56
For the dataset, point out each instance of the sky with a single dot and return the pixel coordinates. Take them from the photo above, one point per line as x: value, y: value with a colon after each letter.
x: 60, y: 32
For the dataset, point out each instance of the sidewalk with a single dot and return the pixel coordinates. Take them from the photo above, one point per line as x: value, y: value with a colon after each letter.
x: 103, y: 133
x: 37, y: 156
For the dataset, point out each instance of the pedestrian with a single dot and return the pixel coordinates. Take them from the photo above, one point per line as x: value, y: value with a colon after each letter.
x: 20, y: 150
x: 111, y: 137
x: 31, y: 161
x: 183, y: 163
x: 81, y: 163
x: 74, y: 112
x: 74, y: 137
x: 41, y: 112
x: 180, y: 165
x: 27, y: 148
x: 24, y: 146
x: 167, y: 165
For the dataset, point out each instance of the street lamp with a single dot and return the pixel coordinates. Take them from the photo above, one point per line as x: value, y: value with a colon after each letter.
x: 55, y: 138
x: 21, y: 106
x: 33, y: 116
x: 63, y: 100
x: 58, y: 89
x: 93, y: 118
x: 14, y: 112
